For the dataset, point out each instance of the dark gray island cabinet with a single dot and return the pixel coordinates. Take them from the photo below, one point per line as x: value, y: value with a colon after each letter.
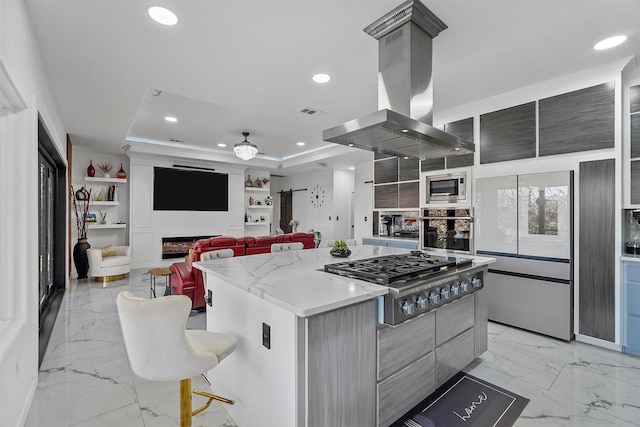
x: 419, y: 355
x: 311, y: 351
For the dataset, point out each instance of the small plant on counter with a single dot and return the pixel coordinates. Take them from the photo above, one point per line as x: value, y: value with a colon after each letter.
x: 341, y: 246
x: 340, y: 249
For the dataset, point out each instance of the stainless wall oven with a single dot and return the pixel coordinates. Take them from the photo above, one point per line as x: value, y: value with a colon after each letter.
x: 449, y: 229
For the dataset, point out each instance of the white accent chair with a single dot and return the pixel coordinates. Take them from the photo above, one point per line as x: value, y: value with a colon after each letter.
x: 109, y: 263
x: 160, y: 348
x: 220, y: 253
x: 284, y: 247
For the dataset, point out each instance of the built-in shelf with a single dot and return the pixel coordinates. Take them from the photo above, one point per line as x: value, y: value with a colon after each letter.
x: 105, y: 226
x: 112, y: 180
x: 256, y: 189
x: 104, y: 203
x: 257, y: 223
x: 259, y: 207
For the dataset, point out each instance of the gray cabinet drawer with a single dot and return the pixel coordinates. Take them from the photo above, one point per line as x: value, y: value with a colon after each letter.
x: 400, y: 345
x: 405, y: 389
x: 454, y: 356
x: 453, y: 318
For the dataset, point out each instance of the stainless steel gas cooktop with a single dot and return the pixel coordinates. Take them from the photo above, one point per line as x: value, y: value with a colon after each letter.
x: 389, y: 269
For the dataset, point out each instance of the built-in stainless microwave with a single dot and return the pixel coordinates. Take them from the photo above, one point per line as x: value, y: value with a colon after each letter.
x: 447, y: 188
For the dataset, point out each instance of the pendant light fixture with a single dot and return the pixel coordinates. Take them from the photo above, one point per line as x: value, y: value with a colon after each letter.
x: 245, y: 150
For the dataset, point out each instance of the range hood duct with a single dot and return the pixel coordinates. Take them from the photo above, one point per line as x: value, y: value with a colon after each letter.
x: 403, y: 125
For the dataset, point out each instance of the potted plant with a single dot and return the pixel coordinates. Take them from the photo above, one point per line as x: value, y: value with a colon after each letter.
x: 340, y: 249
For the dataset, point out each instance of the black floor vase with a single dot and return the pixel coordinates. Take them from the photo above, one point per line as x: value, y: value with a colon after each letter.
x: 80, y: 258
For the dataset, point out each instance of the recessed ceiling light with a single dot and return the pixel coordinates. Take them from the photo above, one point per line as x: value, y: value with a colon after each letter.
x: 300, y: 143
x: 321, y: 78
x: 352, y: 168
x: 610, y: 42
x: 171, y: 119
x: 404, y: 130
x: 162, y: 15
x: 350, y: 145
x: 222, y: 145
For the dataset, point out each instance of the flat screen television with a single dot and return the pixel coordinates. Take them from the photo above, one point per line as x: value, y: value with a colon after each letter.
x: 189, y: 190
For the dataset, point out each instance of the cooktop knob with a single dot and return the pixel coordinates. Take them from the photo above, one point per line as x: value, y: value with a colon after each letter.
x: 445, y: 293
x: 421, y: 302
x: 407, y: 308
x: 477, y: 283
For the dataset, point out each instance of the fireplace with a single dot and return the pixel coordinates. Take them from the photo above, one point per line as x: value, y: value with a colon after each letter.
x: 178, y: 247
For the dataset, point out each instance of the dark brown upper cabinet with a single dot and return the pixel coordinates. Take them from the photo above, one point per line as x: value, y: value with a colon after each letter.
x: 634, y: 99
x: 385, y: 170
x: 409, y: 195
x: 508, y: 134
x: 634, y: 103
x: 432, y: 165
x: 462, y: 129
x: 581, y: 120
x: 408, y: 169
x: 385, y: 196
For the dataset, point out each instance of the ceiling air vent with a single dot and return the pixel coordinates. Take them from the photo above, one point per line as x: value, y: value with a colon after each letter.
x: 310, y: 111
x: 178, y: 141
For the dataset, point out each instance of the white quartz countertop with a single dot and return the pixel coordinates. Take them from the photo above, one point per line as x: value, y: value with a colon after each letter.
x: 296, y: 280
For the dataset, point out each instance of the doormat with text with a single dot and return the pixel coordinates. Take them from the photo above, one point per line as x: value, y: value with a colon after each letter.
x: 467, y: 401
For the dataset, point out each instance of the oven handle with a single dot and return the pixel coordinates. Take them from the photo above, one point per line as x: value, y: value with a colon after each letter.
x: 446, y: 217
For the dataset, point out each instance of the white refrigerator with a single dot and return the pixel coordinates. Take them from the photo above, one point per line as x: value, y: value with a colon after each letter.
x: 526, y: 223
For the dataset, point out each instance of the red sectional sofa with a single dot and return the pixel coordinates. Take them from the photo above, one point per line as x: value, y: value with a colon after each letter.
x: 189, y: 281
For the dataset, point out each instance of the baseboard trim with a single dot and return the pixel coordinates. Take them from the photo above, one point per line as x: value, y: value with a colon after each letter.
x: 598, y: 342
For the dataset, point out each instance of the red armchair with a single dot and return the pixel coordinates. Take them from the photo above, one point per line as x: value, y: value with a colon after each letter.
x: 183, y: 283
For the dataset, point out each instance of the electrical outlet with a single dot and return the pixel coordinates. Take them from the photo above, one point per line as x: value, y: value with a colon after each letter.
x: 266, y: 335
x: 210, y: 297
x: 337, y: 218
x: 365, y: 219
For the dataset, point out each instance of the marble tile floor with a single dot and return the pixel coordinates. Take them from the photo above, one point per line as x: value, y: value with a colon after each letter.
x: 85, y: 379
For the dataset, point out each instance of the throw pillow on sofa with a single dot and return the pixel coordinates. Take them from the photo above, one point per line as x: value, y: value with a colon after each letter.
x: 108, y: 251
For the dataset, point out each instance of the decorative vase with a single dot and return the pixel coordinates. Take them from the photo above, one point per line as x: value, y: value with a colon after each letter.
x: 121, y: 173
x: 248, y: 182
x: 91, y: 171
x: 106, y: 175
x: 80, y: 259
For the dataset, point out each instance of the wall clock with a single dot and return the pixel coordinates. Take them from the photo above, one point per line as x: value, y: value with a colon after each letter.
x: 317, y: 196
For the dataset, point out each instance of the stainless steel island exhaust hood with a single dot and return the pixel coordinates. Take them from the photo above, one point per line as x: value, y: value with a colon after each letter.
x: 402, y: 126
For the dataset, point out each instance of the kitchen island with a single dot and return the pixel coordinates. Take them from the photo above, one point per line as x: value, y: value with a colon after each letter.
x: 308, y: 340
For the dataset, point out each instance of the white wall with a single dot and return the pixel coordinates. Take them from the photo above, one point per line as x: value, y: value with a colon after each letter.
x: 338, y: 186
x: 147, y: 227
x: 363, y: 201
x: 343, y: 187
x: 23, y: 74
